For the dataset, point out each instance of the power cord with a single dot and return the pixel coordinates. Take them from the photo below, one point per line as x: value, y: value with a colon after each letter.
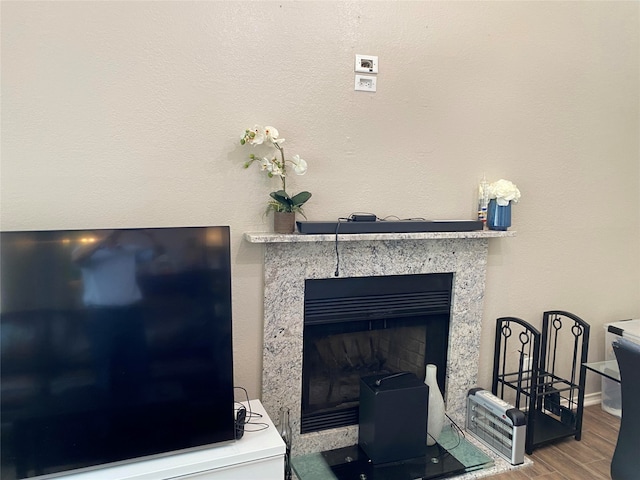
x: 397, y: 218
x: 361, y: 217
x: 445, y: 452
x: 337, y: 272
x: 354, y: 217
x: 251, y: 415
x: 392, y: 375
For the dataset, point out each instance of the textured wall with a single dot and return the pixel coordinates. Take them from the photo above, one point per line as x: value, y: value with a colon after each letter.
x: 129, y: 114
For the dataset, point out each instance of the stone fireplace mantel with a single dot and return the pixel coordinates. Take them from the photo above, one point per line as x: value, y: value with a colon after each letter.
x: 290, y: 259
x: 266, y: 237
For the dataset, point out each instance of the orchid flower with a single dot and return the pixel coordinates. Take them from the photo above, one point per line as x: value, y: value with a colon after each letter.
x: 269, y: 136
x: 299, y: 165
x: 253, y: 136
x: 272, y: 135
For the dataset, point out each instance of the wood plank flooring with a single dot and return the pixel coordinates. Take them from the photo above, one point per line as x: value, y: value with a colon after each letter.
x: 588, y: 459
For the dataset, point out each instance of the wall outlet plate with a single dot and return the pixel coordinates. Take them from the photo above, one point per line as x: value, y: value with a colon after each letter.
x: 366, y: 63
x: 365, y: 83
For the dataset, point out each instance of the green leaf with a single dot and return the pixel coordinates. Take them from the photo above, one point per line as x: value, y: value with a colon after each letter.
x: 283, y: 198
x: 280, y: 193
x: 300, y: 198
x: 282, y: 202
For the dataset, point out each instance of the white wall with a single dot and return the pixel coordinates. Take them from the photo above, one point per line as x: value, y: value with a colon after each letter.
x: 121, y: 114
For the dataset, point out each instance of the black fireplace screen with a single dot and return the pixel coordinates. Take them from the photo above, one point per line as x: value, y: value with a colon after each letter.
x: 354, y: 327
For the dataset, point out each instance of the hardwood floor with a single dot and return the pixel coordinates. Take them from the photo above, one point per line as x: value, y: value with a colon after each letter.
x: 588, y: 459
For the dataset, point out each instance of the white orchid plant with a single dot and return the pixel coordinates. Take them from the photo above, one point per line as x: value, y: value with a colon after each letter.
x: 504, y: 192
x: 276, y: 167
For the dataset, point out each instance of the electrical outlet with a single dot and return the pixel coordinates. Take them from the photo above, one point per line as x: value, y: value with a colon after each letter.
x: 365, y: 83
x: 367, y: 63
x: 527, y: 363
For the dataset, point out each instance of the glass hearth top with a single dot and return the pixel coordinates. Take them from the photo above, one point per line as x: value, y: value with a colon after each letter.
x: 452, y: 455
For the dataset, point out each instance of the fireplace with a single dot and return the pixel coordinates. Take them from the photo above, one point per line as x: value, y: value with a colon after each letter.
x: 290, y: 261
x: 355, y: 327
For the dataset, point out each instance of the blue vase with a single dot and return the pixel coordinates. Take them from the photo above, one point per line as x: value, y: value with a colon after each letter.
x: 498, y: 217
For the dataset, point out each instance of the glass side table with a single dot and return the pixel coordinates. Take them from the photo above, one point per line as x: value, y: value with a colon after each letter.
x: 606, y: 368
x: 453, y: 454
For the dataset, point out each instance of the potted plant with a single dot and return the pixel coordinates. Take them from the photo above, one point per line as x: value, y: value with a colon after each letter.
x: 501, y: 194
x: 282, y: 204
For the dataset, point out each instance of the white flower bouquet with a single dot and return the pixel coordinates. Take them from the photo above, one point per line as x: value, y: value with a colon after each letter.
x: 276, y: 167
x: 504, y: 192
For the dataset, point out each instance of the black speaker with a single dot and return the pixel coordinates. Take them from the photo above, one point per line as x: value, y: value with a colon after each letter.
x: 393, y: 417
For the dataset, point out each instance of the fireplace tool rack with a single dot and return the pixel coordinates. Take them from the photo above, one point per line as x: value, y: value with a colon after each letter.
x: 542, y: 373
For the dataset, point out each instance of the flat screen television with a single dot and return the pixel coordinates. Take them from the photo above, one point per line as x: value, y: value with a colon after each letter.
x: 115, y: 345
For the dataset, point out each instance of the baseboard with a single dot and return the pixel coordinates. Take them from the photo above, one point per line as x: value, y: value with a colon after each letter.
x: 592, y: 399
x: 589, y: 399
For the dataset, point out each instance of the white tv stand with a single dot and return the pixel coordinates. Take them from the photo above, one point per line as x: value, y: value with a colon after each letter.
x: 258, y: 454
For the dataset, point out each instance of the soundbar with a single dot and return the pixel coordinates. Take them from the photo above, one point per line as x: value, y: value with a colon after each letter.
x: 389, y: 226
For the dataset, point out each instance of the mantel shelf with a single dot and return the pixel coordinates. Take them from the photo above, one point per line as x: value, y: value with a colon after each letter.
x: 268, y: 237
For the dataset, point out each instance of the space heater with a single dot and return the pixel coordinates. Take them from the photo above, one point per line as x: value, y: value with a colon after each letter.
x: 497, y: 424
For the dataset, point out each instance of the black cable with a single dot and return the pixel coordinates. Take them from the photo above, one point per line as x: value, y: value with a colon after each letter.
x: 251, y: 414
x: 351, y: 218
x: 459, y: 434
x: 348, y: 219
x: 246, y: 394
x: 393, y: 375
x: 395, y: 217
x: 456, y: 428
x: 337, y: 272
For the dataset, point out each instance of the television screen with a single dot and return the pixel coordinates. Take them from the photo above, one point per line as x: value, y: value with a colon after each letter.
x: 115, y: 344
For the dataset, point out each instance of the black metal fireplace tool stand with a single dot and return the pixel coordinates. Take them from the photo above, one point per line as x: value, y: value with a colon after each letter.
x: 542, y: 373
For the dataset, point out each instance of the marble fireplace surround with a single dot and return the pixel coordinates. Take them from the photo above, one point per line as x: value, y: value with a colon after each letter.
x: 290, y: 259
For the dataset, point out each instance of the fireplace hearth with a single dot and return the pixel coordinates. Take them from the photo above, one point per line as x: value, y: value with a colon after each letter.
x: 290, y: 261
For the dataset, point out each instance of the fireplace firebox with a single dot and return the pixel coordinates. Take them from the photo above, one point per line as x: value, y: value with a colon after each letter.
x: 360, y: 326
